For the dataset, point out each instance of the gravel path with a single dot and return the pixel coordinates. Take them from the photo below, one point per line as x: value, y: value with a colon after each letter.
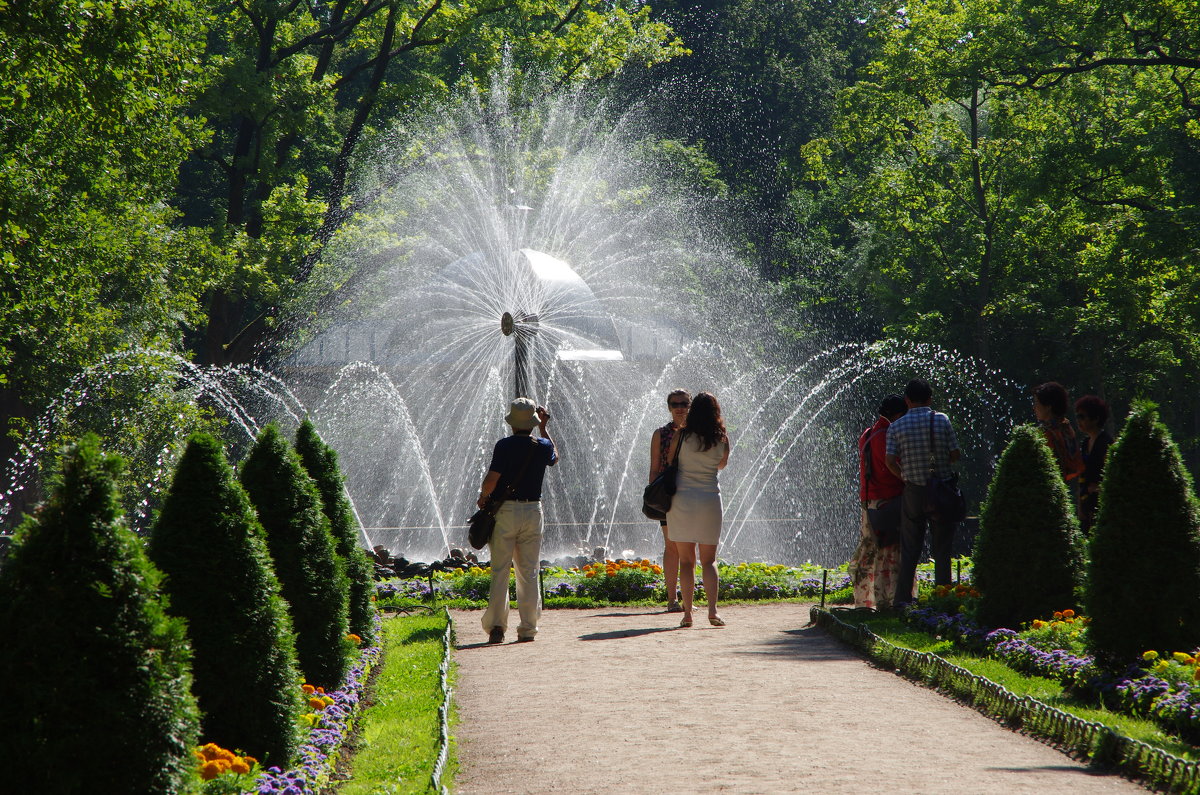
x: 619, y: 700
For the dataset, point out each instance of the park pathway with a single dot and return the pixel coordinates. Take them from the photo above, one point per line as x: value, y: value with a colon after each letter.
x: 618, y: 700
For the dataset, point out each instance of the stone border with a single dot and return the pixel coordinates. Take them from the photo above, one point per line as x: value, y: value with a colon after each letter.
x: 1103, y: 746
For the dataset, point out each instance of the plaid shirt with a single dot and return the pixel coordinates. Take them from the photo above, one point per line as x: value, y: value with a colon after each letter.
x: 908, y: 439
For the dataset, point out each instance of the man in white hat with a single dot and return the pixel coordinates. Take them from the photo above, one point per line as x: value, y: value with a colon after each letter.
x: 515, y: 476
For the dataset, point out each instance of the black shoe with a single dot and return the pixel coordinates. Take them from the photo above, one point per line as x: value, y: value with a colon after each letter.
x: 496, y: 635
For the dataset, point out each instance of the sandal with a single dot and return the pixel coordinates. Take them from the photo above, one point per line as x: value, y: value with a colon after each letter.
x: 685, y: 622
x: 674, y: 607
x: 716, y: 621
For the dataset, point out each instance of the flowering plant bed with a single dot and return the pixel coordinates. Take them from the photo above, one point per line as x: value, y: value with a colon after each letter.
x: 1162, y: 687
x: 329, y: 721
x: 626, y: 582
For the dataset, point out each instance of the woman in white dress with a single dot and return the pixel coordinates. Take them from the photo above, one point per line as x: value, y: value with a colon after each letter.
x: 694, y: 520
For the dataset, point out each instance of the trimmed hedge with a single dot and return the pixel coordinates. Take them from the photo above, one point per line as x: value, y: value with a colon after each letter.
x: 96, y: 674
x: 208, y: 542
x: 1144, y: 581
x: 311, y: 573
x: 1028, y: 556
x: 321, y: 462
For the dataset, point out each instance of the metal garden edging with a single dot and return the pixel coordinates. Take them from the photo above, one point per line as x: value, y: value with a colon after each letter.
x: 1086, y: 739
x: 439, y: 767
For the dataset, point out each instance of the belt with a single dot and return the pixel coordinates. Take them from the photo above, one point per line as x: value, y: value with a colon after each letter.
x: 537, y: 500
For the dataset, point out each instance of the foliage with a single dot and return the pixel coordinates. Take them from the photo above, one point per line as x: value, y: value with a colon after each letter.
x: 97, y: 675
x: 208, y: 542
x: 1146, y: 542
x: 311, y: 574
x: 1027, y: 559
x: 92, y: 134
x: 321, y: 463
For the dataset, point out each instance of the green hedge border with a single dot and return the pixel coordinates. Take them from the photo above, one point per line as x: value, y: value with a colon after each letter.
x: 1102, y: 746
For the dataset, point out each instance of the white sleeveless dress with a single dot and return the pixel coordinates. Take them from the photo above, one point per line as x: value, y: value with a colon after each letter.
x: 695, y: 515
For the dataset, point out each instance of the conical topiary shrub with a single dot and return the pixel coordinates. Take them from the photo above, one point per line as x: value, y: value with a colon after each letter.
x: 1028, y: 558
x: 321, y: 462
x: 96, y: 680
x: 311, y: 574
x: 1143, y: 588
x: 208, y: 543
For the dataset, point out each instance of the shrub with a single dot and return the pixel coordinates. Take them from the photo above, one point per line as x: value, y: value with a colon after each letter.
x: 311, y: 574
x: 1144, y: 579
x: 96, y: 675
x: 208, y: 542
x: 321, y: 462
x: 1028, y: 555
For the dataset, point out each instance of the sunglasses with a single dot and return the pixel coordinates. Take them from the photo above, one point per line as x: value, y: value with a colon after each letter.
x: 675, y: 404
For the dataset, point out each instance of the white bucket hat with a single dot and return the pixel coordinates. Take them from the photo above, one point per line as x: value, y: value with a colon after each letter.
x: 522, y: 414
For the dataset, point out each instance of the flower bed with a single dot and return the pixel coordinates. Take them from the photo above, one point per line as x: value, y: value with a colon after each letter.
x: 329, y: 722
x: 1166, y: 691
x: 631, y: 581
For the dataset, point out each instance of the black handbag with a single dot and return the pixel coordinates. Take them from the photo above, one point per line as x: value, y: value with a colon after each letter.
x: 483, y: 522
x: 944, y: 501
x: 656, y: 498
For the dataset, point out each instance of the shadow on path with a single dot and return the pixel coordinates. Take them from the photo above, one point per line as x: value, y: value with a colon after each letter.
x: 625, y: 633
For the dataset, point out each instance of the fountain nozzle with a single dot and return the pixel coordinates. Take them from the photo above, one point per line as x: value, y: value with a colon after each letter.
x: 507, y: 325
x: 522, y: 321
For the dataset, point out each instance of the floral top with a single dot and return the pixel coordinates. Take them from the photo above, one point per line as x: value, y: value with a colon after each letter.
x: 665, y: 434
x: 1065, y: 446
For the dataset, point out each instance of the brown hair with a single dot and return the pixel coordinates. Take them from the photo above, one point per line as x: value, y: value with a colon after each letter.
x: 705, y: 420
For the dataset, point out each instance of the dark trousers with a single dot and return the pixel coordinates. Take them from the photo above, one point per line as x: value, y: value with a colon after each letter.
x: 913, y: 519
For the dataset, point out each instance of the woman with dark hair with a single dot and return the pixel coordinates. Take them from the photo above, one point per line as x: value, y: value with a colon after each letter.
x: 1050, y: 408
x: 1092, y: 413
x: 695, y: 516
x: 678, y: 402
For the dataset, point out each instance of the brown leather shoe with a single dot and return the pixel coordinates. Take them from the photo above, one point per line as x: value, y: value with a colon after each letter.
x: 496, y: 635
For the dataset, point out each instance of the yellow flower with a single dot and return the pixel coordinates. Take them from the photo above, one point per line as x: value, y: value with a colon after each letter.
x: 250, y: 760
x: 240, y: 766
x: 309, y: 717
x: 1149, y: 655
x: 1182, y: 657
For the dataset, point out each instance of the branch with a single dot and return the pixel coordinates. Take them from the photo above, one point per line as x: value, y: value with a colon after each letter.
x: 334, y: 33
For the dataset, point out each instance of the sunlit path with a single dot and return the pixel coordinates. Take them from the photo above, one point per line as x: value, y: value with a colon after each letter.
x: 618, y: 700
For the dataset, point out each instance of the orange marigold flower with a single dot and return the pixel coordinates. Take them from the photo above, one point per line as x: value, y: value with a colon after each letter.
x: 1196, y: 675
x: 240, y: 766
x: 213, y: 769
x: 250, y: 760
x: 321, y: 690
x: 308, y: 689
x: 1068, y: 614
x: 209, y: 751
x: 1058, y: 615
x: 590, y: 574
x: 356, y: 638
x: 1038, y: 623
x: 316, y: 703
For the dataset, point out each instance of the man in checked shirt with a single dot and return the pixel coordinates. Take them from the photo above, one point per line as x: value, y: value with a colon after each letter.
x: 921, y: 445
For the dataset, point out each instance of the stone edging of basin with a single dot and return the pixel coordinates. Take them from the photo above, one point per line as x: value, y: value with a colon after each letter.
x: 439, y: 767
x: 1101, y: 745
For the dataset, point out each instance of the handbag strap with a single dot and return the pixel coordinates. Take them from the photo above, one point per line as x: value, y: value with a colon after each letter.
x: 678, y: 443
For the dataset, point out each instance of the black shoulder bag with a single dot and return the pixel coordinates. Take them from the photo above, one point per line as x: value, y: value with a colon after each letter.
x: 483, y: 522
x: 656, y: 499
x: 943, y: 499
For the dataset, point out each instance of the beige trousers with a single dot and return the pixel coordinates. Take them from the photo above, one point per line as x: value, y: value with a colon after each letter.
x: 516, y: 542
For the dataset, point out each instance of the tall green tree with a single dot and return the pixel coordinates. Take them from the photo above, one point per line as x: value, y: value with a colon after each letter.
x: 1145, y: 545
x: 208, y: 542
x: 321, y: 462
x: 312, y: 576
x: 1028, y: 558
x: 97, y: 674
x: 92, y: 130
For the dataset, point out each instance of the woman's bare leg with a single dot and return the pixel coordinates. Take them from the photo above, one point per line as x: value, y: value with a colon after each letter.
x: 687, y: 576
x: 708, y: 571
x: 670, y: 568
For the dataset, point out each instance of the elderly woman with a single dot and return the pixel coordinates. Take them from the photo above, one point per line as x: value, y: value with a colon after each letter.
x: 694, y: 520
x: 1050, y: 408
x: 678, y: 402
x: 1091, y: 412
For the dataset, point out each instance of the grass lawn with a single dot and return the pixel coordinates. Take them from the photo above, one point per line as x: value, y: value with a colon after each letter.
x: 395, y: 746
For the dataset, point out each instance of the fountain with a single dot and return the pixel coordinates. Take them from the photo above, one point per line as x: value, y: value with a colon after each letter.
x: 543, y: 250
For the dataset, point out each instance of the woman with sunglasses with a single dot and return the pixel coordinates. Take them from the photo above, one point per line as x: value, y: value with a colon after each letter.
x: 678, y: 402
x: 694, y: 520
